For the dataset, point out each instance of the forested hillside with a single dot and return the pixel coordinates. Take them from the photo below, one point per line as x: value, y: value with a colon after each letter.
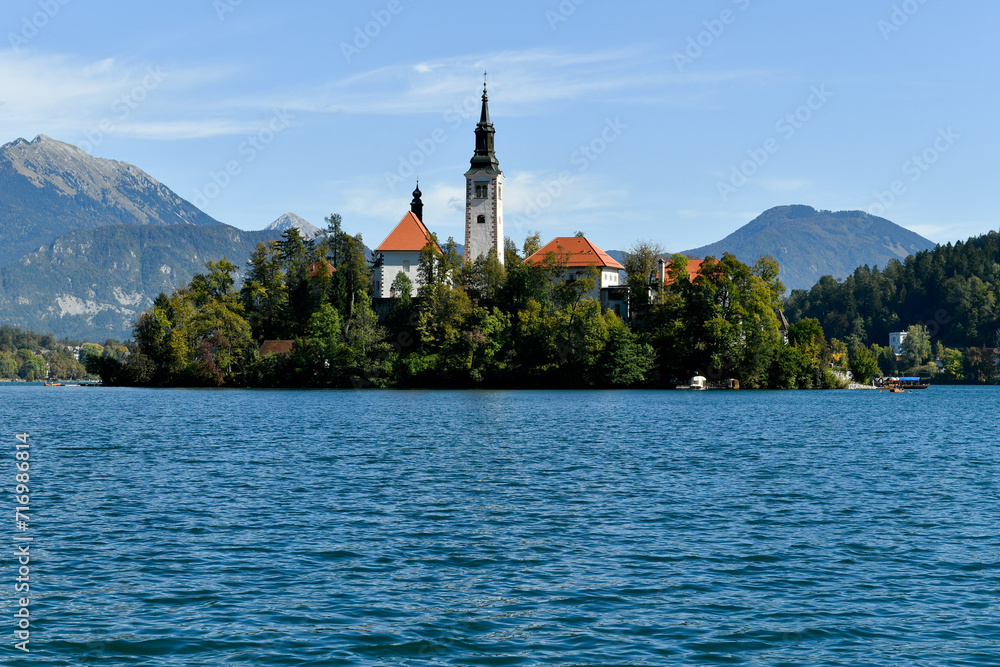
x: 953, y: 291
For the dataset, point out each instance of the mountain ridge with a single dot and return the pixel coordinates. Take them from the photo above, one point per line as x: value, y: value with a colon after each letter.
x: 810, y: 243
x: 64, y: 287
x: 48, y: 188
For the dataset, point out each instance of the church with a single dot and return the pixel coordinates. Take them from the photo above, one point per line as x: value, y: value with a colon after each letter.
x: 400, y: 252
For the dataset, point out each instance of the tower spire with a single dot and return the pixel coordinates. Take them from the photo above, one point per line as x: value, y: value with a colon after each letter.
x: 484, y: 192
x: 417, y: 205
x: 485, y: 156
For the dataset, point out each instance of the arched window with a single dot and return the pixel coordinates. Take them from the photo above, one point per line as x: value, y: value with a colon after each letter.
x: 481, y: 220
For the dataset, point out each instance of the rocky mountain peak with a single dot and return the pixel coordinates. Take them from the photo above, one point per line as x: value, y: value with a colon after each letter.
x: 290, y: 220
x: 48, y: 187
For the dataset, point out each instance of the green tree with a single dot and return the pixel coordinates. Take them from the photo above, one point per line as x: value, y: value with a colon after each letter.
x: 368, y: 354
x: 916, y: 349
x: 886, y: 358
x: 264, y: 294
x: 326, y: 335
x: 33, y: 367
x: 627, y: 360
x: 954, y: 365
x: 483, y: 279
x: 864, y: 365
x: 8, y: 365
x: 642, y: 263
x: 979, y: 365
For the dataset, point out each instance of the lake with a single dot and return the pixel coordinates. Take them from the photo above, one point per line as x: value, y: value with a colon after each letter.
x: 194, y: 527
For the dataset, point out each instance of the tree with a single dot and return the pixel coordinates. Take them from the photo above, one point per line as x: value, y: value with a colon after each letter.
x: 864, y: 365
x: 33, y: 367
x: 368, y: 353
x: 916, y: 349
x: 402, y: 287
x: 264, y: 294
x: 979, y: 365
x: 954, y: 365
x: 627, y: 360
x: 8, y: 365
x: 886, y: 358
x: 483, y: 279
x: 642, y: 264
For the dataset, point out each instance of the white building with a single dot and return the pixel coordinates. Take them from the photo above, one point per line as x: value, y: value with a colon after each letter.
x: 578, y: 253
x: 484, y: 194
x: 400, y: 252
x: 896, y: 341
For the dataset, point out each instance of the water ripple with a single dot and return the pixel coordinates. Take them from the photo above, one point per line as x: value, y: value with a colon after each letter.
x: 494, y: 528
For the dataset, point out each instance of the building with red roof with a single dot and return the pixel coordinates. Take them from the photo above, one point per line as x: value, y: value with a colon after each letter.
x: 400, y: 251
x: 693, y: 268
x: 577, y: 253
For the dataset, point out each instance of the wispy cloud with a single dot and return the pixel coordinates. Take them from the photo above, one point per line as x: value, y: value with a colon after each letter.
x: 69, y: 98
x: 528, y: 79
x: 65, y: 96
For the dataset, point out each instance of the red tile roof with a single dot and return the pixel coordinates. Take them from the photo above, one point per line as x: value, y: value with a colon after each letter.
x: 315, y: 266
x: 409, y: 235
x: 580, y: 251
x: 694, y: 266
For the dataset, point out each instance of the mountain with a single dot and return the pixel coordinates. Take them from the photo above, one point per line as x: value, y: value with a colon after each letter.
x: 92, y: 283
x: 809, y: 244
x: 290, y: 220
x: 48, y: 188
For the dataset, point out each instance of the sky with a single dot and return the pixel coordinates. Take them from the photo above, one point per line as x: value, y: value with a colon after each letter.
x: 671, y: 122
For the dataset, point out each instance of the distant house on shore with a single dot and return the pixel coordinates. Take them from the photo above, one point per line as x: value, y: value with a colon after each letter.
x: 578, y: 253
x: 400, y: 251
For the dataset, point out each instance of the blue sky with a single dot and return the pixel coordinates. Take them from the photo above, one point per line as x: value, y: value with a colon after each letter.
x: 676, y: 122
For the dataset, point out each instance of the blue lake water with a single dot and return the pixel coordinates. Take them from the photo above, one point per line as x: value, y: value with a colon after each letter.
x: 506, y: 528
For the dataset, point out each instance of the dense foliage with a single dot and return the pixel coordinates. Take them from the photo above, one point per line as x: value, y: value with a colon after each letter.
x: 33, y: 357
x: 478, y: 324
x: 946, y: 299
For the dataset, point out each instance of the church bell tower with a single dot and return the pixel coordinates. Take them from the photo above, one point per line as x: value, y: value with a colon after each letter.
x: 484, y: 194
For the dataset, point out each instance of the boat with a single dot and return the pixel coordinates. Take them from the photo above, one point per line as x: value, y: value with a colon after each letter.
x: 896, y: 390
x: 906, y: 383
x: 698, y: 383
x: 53, y: 384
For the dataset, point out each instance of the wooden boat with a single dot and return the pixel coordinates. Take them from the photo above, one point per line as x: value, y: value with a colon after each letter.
x: 896, y: 390
x: 731, y: 384
x: 53, y: 384
x: 906, y: 383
